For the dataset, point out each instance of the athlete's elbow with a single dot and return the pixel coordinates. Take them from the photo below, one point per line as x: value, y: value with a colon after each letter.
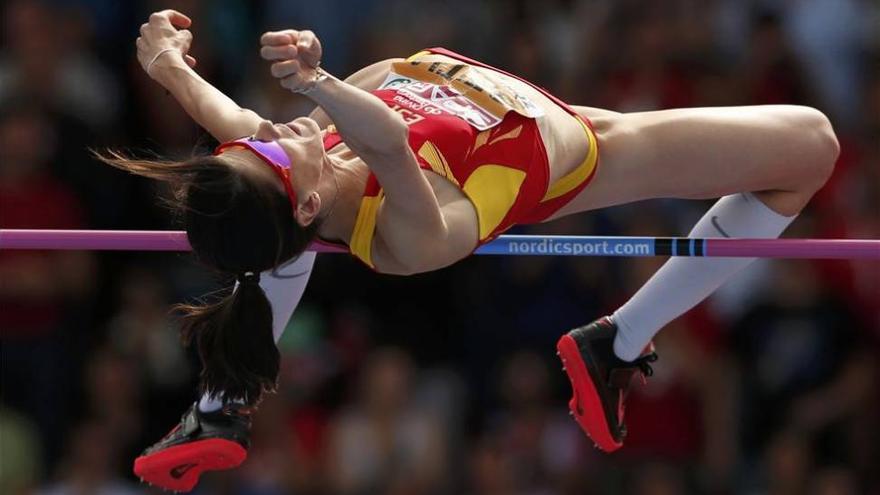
x: 406, y: 265
x: 231, y: 124
x: 427, y: 256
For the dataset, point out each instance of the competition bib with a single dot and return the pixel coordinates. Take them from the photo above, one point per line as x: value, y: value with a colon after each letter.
x: 455, y: 89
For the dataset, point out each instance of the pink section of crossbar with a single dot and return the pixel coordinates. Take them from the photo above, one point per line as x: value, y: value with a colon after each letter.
x: 110, y: 240
x: 794, y: 248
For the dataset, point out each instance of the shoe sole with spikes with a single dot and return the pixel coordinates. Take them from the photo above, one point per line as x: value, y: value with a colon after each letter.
x: 178, y: 468
x: 585, y: 404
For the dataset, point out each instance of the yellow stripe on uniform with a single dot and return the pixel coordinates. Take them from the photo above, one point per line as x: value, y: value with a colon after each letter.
x: 481, y: 139
x: 361, y: 244
x: 577, y: 176
x: 431, y: 154
x: 417, y: 55
x: 493, y: 189
x: 507, y: 135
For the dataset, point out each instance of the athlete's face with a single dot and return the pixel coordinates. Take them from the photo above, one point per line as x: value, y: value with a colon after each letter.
x: 302, y: 141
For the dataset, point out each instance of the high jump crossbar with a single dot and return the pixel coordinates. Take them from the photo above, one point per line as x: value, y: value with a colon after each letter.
x: 519, y: 245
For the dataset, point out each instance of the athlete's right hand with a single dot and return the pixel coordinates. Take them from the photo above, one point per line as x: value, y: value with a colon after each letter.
x: 162, y: 37
x: 296, y: 56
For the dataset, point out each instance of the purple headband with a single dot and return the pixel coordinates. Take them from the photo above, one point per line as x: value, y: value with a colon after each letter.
x: 272, y: 154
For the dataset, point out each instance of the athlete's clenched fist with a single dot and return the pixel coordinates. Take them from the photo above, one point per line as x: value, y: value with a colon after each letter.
x: 296, y: 56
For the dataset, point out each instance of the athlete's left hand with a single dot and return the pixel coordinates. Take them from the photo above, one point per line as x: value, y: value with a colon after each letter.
x: 297, y: 55
x: 163, y: 36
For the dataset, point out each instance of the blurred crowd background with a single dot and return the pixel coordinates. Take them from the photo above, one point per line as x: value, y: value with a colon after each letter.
x: 443, y: 383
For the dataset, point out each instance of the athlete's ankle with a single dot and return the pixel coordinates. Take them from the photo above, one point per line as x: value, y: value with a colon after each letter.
x: 624, y: 348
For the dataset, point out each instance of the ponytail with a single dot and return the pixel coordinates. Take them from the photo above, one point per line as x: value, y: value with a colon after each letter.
x: 238, y: 220
x: 235, y: 342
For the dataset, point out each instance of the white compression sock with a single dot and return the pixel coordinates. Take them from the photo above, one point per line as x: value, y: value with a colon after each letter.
x: 284, y: 289
x: 682, y: 283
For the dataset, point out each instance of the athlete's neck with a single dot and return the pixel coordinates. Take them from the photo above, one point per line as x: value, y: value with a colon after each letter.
x: 341, y: 196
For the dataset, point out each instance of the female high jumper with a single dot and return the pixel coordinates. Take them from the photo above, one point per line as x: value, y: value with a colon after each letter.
x: 413, y: 163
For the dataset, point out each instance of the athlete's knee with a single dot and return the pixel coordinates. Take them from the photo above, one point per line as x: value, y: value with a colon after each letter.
x: 829, y: 148
x: 817, y: 146
x: 811, y: 147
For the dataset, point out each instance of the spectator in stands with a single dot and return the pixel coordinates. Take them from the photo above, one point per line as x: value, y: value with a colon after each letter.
x: 39, y: 290
x: 381, y: 444
x: 90, y: 464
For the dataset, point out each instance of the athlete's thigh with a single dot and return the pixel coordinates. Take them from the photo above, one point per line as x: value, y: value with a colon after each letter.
x: 696, y: 153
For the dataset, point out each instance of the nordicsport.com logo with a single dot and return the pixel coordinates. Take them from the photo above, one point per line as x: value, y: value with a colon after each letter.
x: 582, y: 247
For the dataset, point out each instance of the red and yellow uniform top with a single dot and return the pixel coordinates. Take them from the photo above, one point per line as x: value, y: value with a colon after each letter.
x: 478, y: 134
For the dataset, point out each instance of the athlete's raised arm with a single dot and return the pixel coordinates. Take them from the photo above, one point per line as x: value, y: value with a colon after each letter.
x: 377, y: 134
x: 367, y: 78
x: 162, y: 50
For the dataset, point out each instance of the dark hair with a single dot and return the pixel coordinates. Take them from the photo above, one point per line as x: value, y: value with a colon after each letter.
x: 239, y: 221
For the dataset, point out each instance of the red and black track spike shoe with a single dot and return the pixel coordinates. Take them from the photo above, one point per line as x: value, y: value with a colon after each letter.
x: 600, y: 380
x: 200, y: 442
